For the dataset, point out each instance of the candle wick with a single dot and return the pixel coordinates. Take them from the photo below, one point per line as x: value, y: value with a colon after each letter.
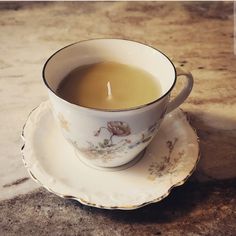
x: 109, y: 91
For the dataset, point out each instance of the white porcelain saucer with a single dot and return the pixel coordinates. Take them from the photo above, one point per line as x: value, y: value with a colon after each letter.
x: 168, y: 161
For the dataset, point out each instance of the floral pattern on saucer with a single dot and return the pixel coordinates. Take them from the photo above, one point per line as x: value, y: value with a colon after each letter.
x: 167, y: 164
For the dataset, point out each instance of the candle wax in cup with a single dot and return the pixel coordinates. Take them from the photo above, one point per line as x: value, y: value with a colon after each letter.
x: 109, y: 85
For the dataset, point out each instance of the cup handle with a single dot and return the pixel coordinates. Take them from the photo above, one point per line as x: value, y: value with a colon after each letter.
x: 184, y: 93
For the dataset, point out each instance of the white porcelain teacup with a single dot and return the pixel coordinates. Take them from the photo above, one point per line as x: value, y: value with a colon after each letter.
x: 115, y: 137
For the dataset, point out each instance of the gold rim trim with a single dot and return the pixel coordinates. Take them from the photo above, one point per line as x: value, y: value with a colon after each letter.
x: 129, y: 207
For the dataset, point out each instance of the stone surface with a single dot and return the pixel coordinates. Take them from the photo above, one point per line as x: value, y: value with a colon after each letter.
x: 198, y: 36
x: 199, y: 209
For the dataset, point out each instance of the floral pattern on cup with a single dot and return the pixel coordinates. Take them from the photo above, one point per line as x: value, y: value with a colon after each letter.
x: 107, y: 149
x: 63, y: 122
x: 115, y: 128
x: 168, y: 163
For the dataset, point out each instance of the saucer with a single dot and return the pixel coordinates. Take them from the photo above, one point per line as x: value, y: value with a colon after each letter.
x: 167, y: 162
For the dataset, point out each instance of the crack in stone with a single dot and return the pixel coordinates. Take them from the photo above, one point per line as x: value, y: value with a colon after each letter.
x: 17, y: 182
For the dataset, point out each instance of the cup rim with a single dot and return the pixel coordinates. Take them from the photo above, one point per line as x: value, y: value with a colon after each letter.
x: 109, y: 110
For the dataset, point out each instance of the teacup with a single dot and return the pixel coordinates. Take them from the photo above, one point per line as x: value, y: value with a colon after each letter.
x: 112, y: 138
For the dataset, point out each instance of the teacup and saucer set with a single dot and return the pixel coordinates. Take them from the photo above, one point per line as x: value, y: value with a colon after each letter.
x: 112, y: 159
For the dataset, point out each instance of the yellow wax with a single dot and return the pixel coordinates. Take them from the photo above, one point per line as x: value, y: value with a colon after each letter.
x: 109, y: 85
